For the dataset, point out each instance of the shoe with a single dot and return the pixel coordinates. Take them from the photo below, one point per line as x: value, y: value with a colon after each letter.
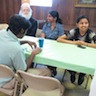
x: 53, y: 70
x: 72, y: 78
x: 80, y: 79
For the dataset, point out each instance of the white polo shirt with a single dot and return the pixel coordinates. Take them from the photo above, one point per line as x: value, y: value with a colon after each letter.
x: 11, y: 53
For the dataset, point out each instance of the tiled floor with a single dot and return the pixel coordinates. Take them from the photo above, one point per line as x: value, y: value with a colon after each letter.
x: 73, y: 89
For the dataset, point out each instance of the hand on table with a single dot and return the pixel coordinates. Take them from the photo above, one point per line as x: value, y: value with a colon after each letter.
x: 32, y: 44
x: 36, y: 50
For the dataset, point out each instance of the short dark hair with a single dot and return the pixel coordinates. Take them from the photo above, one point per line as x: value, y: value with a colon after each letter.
x: 17, y: 23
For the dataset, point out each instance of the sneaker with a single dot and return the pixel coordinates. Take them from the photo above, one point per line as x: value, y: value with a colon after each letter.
x: 80, y: 79
x: 72, y: 78
x: 53, y: 70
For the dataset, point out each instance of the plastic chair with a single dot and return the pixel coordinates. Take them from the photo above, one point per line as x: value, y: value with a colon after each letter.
x: 38, y: 32
x: 40, y: 85
x: 6, y: 72
x: 3, y: 26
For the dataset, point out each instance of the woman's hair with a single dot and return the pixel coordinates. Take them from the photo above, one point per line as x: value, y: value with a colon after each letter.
x: 87, y: 39
x: 17, y: 23
x: 55, y: 14
x: 81, y: 17
x: 76, y: 35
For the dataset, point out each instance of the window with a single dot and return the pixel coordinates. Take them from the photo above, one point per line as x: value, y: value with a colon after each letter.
x: 46, y: 3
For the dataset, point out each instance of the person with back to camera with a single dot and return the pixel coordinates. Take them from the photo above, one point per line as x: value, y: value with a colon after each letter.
x: 11, y: 52
x: 52, y: 29
x: 81, y: 35
x: 26, y: 12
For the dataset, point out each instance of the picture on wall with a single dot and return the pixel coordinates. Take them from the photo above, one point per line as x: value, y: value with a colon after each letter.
x: 86, y: 3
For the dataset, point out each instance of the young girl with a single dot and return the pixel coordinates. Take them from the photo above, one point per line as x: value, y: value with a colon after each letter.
x: 81, y: 35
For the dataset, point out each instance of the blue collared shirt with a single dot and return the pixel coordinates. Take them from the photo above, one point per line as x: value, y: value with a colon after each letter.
x: 53, y: 34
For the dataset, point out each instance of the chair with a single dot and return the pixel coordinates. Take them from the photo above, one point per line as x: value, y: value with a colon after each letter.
x: 3, y: 26
x: 38, y: 32
x: 40, y: 85
x: 41, y: 23
x: 6, y: 72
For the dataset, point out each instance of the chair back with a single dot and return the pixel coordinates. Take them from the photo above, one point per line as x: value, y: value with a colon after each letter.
x: 3, y: 26
x: 5, y: 71
x: 40, y: 83
x: 38, y: 33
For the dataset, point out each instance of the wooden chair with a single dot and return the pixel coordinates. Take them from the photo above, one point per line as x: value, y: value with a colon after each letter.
x: 6, y: 72
x: 40, y: 85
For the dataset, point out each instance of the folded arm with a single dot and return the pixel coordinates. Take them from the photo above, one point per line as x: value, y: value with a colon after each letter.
x: 64, y: 39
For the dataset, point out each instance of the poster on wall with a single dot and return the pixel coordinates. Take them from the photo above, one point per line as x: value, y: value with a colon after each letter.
x: 86, y: 3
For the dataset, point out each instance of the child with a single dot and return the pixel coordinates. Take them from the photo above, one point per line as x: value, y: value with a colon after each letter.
x: 81, y: 35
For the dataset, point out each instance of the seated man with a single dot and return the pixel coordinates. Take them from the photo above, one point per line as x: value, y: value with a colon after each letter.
x: 11, y: 53
x: 26, y: 12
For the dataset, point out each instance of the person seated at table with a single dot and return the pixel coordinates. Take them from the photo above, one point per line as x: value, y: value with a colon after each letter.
x: 11, y: 53
x: 26, y: 12
x: 52, y: 29
x: 81, y: 35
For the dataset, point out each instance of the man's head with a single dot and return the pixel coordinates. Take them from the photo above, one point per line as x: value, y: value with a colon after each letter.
x: 25, y: 11
x: 18, y: 25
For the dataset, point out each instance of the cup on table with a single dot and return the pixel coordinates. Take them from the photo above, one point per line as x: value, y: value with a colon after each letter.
x: 41, y: 42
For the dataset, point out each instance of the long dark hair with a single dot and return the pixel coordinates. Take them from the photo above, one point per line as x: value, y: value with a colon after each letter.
x: 55, y: 14
x: 87, y: 39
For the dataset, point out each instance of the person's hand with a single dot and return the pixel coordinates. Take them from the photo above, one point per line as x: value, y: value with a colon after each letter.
x: 76, y: 42
x: 32, y: 44
x: 36, y: 51
x: 83, y: 43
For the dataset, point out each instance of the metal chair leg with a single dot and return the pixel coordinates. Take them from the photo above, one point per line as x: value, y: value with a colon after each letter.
x: 87, y: 81
x: 64, y: 75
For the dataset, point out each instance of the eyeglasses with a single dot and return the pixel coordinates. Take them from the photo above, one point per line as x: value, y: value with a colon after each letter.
x: 24, y: 32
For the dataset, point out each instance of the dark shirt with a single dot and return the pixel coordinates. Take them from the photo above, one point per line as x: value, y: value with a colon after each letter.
x: 32, y: 30
x: 89, y: 36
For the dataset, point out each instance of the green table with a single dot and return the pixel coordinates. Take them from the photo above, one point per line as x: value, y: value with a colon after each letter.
x: 66, y: 56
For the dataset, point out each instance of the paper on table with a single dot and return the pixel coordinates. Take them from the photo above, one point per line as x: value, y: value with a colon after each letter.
x: 26, y: 48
